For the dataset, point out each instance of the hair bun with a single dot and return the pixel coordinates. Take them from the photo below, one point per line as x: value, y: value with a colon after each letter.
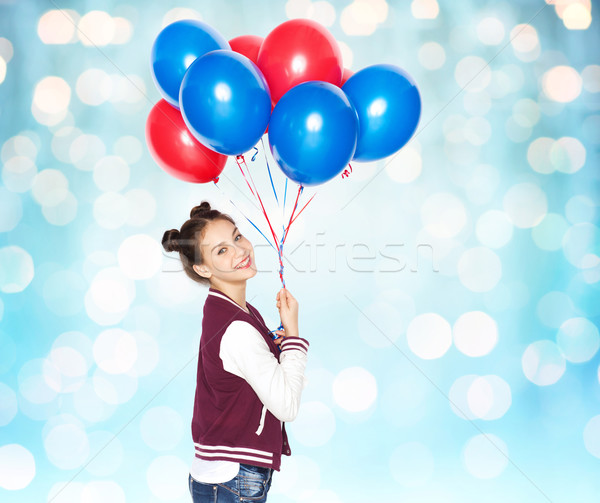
x: 201, y: 211
x: 170, y: 241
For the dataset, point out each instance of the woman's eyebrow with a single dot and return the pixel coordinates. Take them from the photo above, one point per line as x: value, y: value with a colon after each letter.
x: 223, y: 242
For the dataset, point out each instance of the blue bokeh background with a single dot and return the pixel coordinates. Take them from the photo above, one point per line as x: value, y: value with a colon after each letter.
x: 450, y: 293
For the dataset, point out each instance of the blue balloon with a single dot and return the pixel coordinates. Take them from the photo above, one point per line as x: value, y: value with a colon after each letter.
x: 225, y: 102
x: 175, y: 49
x: 312, y: 132
x: 389, y: 107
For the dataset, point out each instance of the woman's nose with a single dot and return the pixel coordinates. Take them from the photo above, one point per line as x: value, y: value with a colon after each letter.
x: 240, y: 251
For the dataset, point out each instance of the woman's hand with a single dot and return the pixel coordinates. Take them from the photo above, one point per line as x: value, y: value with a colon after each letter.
x: 281, y: 336
x: 288, y: 312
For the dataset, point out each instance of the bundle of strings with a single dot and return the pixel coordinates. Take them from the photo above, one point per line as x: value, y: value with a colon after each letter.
x: 277, y: 244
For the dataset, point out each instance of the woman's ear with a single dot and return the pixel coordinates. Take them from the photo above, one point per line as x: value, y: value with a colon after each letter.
x: 202, y: 271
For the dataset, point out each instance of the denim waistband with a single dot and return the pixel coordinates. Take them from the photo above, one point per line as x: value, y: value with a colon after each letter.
x: 256, y: 469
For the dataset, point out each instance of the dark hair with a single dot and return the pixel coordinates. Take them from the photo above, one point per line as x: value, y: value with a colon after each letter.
x: 187, y: 240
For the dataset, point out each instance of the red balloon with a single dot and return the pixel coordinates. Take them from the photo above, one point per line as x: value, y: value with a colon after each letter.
x: 175, y: 149
x: 346, y: 75
x: 297, y: 51
x: 247, y: 45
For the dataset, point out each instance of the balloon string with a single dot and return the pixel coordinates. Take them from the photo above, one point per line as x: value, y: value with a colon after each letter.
x: 241, y: 161
x: 268, y: 169
x: 302, y: 209
x: 215, y: 180
x: 346, y: 173
x: 300, y: 189
x: 283, y: 209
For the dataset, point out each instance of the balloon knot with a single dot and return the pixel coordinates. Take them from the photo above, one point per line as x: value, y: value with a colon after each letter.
x: 346, y: 173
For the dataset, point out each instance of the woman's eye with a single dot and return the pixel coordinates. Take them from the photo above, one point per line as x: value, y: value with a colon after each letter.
x: 219, y: 252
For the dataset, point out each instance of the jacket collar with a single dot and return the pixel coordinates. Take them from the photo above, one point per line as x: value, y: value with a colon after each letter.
x: 218, y: 293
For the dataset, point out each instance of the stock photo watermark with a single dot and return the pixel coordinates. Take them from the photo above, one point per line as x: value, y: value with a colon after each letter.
x: 317, y: 254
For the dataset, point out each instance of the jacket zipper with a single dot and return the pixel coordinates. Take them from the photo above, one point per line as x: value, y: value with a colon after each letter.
x: 262, y: 420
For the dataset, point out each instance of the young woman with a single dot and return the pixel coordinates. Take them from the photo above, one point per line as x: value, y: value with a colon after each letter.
x: 248, y: 385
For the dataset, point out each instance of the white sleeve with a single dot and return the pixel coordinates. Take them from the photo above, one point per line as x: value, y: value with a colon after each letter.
x: 278, y: 384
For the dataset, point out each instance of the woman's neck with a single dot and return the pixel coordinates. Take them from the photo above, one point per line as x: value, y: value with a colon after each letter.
x: 235, y: 291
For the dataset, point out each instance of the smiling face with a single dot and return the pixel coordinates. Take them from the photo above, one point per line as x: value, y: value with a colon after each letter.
x: 223, y: 249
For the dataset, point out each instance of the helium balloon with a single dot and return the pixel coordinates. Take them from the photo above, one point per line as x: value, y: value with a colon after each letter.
x: 389, y: 107
x: 225, y: 102
x: 312, y: 133
x: 346, y: 75
x: 176, y: 151
x: 175, y: 49
x: 247, y: 45
x: 297, y: 51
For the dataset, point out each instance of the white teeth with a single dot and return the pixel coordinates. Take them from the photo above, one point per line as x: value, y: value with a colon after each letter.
x: 243, y: 264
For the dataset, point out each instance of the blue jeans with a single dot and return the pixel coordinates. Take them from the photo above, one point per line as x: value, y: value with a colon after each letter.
x: 250, y: 484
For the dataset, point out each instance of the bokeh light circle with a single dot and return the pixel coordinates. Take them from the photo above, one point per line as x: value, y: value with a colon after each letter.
x: 538, y: 155
x: 315, y: 424
x: 17, y: 269
x: 405, y: 166
x: 142, y: 207
x: 562, y: 84
x: 17, y: 467
x: 67, y: 446
x: 128, y: 148
x: 543, y: 363
x: 578, y: 339
x: 111, y: 173
x: 57, y: 26
x: 472, y: 73
x: 18, y: 173
x: 479, y: 269
x: 111, y: 210
x: 50, y: 187
x: 94, y: 86
x: 115, y: 351
x: 114, y: 389
x: 485, y: 456
x: 580, y: 209
x: 11, y: 210
x: 525, y: 204
x: 489, y: 397
x: 548, y: 234
x: 429, y: 336
x: 62, y: 213
x: 591, y: 436
x: 475, y: 333
x: 579, y: 242
x: 443, y: 215
x: 494, y: 229
x: 8, y: 404
x: 52, y: 95
x: 554, y: 308
x: 96, y: 28
x: 140, y: 256
x: 354, y: 389
x: 431, y: 55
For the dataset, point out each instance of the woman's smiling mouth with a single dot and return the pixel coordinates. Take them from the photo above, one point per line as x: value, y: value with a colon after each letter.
x: 244, y: 264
